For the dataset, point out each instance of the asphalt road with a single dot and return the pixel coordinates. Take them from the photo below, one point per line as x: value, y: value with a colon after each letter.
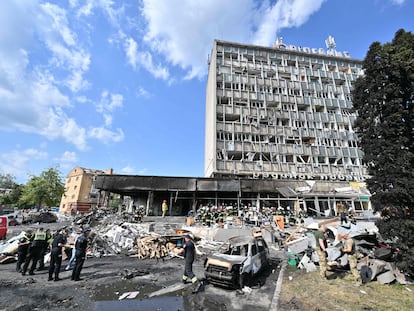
x: 103, y: 284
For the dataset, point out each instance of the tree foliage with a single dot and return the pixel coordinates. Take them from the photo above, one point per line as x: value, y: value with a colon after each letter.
x: 12, y: 199
x: 384, y: 99
x: 7, y: 181
x: 43, y: 190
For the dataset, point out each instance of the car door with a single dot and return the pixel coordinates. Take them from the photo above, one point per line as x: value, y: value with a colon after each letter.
x: 263, y: 251
x: 256, y: 257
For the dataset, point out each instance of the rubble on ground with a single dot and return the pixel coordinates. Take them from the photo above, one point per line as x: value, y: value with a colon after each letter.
x: 376, y: 260
x: 122, y: 233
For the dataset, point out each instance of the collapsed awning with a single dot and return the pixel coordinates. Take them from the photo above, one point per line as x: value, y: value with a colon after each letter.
x: 287, y: 192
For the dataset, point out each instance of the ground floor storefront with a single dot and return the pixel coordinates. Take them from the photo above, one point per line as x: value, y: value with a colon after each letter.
x: 234, y: 197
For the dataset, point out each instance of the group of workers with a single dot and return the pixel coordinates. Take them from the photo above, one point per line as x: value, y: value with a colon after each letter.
x: 348, y: 249
x: 211, y: 215
x: 33, y: 246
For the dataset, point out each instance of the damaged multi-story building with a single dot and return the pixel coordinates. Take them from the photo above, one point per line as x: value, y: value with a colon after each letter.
x: 278, y: 134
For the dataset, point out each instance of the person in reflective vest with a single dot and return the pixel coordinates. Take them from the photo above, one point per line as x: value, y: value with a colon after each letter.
x: 34, y: 251
x: 45, y: 249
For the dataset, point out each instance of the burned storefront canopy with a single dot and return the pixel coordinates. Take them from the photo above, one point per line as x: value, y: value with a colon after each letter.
x: 184, y: 194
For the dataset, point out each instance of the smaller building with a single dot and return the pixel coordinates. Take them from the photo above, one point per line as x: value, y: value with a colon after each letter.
x: 80, y: 194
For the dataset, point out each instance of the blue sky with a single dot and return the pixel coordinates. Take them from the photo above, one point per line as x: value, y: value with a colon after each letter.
x: 121, y: 84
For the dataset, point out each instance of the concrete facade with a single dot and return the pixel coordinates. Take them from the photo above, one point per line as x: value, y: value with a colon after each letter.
x: 80, y: 193
x: 278, y: 135
x: 281, y: 113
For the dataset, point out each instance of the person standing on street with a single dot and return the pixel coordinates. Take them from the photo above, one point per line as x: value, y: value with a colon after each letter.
x: 45, y: 247
x: 321, y: 246
x: 81, y: 245
x: 189, y: 252
x: 34, y: 251
x: 23, y: 247
x: 58, y: 243
x: 73, y: 252
x: 164, y: 208
x: 349, y: 249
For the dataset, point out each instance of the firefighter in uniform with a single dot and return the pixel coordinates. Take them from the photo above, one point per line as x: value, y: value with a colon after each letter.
x: 189, y: 256
x: 35, y: 250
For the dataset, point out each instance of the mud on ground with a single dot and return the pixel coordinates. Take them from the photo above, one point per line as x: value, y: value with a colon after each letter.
x: 106, y: 278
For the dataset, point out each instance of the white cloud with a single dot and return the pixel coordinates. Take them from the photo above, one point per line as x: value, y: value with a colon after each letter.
x: 128, y: 169
x: 17, y: 162
x: 284, y: 14
x: 36, y: 154
x: 68, y: 157
x: 193, y: 25
x: 131, y: 51
x: 106, y: 135
x: 107, y: 104
x: 143, y: 93
x: 31, y: 92
x: 142, y: 59
x: 397, y: 2
x: 61, y: 41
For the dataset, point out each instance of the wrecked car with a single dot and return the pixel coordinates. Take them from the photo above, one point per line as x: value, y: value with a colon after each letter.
x: 40, y: 217
x: 237, y: 261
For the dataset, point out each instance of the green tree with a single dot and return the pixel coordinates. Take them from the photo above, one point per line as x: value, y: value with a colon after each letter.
x: 384, y: 99
x: 44, y: 190
x: 13, y: 198
x: 7, y: 181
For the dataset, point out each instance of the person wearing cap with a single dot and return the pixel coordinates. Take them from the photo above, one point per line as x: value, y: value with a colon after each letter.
x: 58, y: 243
x: 164, y: 208
x: 189, y: 256
x: 22, y: 249
x: 34, y: 251
x: 349, y: 249
x: 81, y: 245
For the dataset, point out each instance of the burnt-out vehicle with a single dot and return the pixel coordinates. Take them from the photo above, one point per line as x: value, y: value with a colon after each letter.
x: 237, y: 261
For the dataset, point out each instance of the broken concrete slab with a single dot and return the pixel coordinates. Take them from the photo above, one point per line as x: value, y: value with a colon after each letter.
x: 386, y: 277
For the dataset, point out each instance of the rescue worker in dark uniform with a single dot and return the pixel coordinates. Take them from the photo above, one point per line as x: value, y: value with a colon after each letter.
x: 34, y: 251
x: 24, y: 244
x: 81, y: 245
x: 189, y: 256
x: 58, y: 243
x: 45, y: 247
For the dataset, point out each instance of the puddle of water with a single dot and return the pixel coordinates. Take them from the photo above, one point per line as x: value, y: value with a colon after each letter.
x: 106, y: 299
x: 150, y: 304
x: 114, y: 290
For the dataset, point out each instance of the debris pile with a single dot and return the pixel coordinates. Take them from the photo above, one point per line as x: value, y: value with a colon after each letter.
x: 151, y: 247
x: 376, y: 260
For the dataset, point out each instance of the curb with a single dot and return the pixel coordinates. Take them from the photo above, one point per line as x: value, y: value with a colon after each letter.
x: 276, y: 295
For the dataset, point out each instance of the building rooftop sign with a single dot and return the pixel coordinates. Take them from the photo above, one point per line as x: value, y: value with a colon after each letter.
x: 330, y: 44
